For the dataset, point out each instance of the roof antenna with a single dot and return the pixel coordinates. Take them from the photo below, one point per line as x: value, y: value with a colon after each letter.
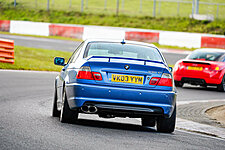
x: 123, y: 42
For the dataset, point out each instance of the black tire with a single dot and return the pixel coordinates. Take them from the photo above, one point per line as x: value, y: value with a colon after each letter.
x: 178, y: 83
x: 55, y: 112
x: 148, y: 122
x: 221, y: 86
x: 167, y: 125
x: 67, y: 115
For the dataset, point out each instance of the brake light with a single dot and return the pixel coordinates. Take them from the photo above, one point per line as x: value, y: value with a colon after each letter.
x: 165, y: 80
x: 85, y: 73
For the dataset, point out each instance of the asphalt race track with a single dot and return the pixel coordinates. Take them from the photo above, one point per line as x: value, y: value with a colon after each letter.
x: 26, y: 122
x: 65, y: 45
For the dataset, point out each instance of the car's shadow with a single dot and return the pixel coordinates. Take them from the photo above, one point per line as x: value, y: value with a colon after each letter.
x: 113, y: 125
x: 200, y: 88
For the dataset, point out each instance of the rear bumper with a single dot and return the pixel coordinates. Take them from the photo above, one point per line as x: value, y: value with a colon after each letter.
x: 210, y: 80
x: 140, y: 100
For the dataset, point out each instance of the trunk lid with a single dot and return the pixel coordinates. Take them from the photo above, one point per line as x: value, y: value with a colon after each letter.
x: 126, y: 72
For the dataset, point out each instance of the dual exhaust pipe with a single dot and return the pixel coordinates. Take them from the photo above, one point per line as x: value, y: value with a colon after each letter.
x: 89, y: 109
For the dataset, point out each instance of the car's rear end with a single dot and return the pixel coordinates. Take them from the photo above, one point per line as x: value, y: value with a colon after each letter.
x: 202, y: 67
x: 122, y: 80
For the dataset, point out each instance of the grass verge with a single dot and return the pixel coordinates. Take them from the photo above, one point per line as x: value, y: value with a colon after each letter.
x: 35, y: 59
x: 144, y: 22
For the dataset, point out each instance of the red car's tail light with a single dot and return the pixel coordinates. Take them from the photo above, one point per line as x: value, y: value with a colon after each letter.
x: 165, y: 80
x: 85, y: 73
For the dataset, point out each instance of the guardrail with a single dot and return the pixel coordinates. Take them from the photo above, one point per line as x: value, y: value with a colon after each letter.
x: 7, y: 51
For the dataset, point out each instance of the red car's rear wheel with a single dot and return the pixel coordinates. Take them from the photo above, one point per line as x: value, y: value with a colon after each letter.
x: 221, y: 86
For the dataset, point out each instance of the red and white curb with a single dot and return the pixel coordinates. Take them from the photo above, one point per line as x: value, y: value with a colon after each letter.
x: 181, y: 39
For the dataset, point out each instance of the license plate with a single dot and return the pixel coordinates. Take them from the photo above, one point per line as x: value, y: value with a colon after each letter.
x: 194, y: 68
x: 127, y: 79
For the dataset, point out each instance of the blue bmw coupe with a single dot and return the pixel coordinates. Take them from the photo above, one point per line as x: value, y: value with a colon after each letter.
x: 114, y: 78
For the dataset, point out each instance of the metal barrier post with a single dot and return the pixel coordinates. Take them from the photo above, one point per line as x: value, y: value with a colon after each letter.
x: 86, y: 6
x: 48, y: 5
x: 154, y: 8
x: 82, y: 6
x: 140, y: 6
x: 105, y: 6
x: 197, y: 7
x: 14, y: 3
x: 123, y: 4
x: 117, y: 7
x: 178, y: 8
x: 70, y: 4
x: 193, y: 8
x: 217, y: 11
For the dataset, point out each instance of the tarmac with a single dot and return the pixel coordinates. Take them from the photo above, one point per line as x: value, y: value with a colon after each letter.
x: 191, y: 116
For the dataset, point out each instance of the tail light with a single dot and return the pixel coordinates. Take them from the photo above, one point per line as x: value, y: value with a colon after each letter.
x: 214, y: 68
x: 165, y: 80
x: 85, y: 73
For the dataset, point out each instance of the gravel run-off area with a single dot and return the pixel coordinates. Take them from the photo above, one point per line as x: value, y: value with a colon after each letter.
x: 218, y: 114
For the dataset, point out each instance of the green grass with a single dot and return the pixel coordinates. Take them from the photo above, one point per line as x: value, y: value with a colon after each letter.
x: 129, y: 7
x: 145, y: 22
x: 35, y: 59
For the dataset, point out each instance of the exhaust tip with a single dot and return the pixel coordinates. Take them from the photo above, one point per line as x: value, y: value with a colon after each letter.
x: 89, y: 109
x: 84, y: 108
x: 93, y: 109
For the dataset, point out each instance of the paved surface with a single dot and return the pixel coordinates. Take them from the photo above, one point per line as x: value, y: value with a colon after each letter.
x: 25, y: 104
x: 65, y: 45
x: 196, y: 112
x: 25, y: 123
x: 45, y: 43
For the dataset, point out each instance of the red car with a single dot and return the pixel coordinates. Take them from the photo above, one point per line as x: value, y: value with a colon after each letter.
x: 202, y: 67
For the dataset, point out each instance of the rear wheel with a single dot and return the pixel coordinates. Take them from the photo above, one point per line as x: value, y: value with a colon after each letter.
x: 178, y: 83
x: 149, y: 122
x: 221, y: 86
x: 55, y: 112
x: 67, y: 115
x: 167, y: 125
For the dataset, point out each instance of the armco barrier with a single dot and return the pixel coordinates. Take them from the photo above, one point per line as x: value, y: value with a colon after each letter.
x: 213, y: 42
x: 4, y: 25
x: 66, y: 31
x: 6, y: 51
x: 150, y: 37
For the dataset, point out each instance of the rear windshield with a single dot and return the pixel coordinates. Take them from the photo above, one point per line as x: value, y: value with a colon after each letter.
x: 204, y: 55
x: 123, y: 50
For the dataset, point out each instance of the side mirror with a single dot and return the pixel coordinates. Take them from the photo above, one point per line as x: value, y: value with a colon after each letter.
x: 171, y: 69
x: 59, y: 61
